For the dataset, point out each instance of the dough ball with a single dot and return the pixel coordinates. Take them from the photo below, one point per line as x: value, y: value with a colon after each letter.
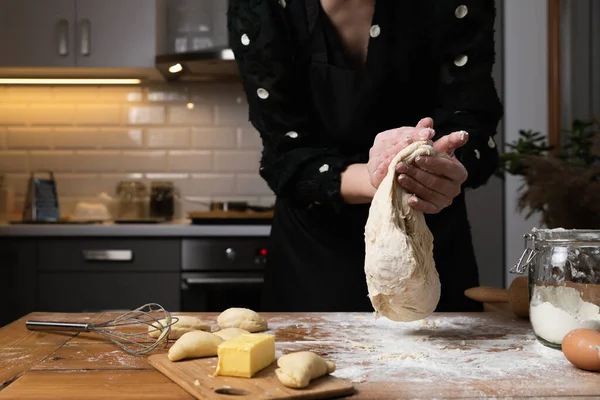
x: 230, y: 333
x: 183, y: 325
x: 195, y: 344
x: 242, y: 318
x: 402, y: 280
x: 297, y: 370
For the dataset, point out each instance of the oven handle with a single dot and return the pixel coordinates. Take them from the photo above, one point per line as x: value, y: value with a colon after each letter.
x: 219, y: 280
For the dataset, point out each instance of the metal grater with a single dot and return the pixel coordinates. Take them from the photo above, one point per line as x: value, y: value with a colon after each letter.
x: 41, y: 203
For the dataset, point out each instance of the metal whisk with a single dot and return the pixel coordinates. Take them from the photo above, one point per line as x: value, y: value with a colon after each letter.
x: 130, y: 340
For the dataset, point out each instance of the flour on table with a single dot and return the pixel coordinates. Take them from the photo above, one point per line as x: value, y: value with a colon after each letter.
x: 437, y: 349
x: 557, y: 310
x: 401, y: 276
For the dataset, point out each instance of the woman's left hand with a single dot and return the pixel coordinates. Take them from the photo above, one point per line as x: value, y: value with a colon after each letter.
x: 435, y: 181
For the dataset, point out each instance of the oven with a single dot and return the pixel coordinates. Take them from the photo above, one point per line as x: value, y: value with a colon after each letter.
x: 222, y: 272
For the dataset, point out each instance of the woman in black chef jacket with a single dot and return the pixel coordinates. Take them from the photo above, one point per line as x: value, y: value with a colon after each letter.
x: 332, y: 115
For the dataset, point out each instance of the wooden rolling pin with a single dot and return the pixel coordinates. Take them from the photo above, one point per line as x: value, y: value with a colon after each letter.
x: 517, y: 296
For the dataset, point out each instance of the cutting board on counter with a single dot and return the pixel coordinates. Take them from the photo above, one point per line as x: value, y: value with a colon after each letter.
x: 220, y: 217
x: 231, y: 214
x: 264, y: 385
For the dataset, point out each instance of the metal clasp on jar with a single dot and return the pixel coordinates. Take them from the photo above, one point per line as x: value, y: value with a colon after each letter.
x: 527, y: 257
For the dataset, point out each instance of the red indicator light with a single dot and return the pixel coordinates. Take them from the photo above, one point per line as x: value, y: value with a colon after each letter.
x: 262, y: 252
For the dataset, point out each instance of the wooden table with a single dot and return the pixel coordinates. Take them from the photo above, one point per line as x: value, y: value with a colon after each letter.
x: 447, y: 355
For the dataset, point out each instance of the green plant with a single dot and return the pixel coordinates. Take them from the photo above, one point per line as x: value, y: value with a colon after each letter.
x: 563, y: 186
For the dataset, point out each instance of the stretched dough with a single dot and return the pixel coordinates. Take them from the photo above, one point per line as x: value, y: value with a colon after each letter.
x: 183, y: 325
x: 195, y: 344
x: 242, y: 318
x: 297, y: 370
x: 403, y: 282
x: 230, y: 333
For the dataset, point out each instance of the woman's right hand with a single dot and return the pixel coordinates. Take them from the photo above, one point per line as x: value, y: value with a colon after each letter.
x: 389, y: 143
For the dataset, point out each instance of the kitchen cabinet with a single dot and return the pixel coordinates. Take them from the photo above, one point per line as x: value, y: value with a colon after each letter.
x: 85, y: 292
x: 17, y: 278
x: 121, y: 33
x: 99, y: 274
x: 37, y: 33
x: 78, y: 33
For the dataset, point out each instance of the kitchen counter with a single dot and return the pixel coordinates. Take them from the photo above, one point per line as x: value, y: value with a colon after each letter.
x: 182, y: 228
x: 481, y: 355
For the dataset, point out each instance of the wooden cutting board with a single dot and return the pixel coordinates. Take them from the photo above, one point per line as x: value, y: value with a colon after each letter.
x: 230, y: 214
x: 264, y: 385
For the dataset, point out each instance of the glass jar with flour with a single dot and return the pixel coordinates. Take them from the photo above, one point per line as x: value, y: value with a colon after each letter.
x: 564, y: 281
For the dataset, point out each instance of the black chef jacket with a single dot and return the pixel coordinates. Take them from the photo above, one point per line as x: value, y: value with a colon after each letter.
x: 318, y: 111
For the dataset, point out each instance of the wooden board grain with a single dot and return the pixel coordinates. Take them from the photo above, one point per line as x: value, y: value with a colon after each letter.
x: 94, y: 385
x: 263, y: 385
x: 95, y: 356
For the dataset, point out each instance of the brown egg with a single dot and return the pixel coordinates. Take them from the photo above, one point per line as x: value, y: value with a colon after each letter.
x: 580, y: 346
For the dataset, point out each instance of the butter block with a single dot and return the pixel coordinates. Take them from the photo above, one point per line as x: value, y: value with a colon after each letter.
x: 245, y: 355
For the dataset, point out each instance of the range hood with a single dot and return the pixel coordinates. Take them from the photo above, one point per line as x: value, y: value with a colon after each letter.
x: 195, y: 46
x: 215, y: 64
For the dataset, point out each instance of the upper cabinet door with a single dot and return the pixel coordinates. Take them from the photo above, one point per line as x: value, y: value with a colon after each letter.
x: 115, y: 33
x: 37, y: 33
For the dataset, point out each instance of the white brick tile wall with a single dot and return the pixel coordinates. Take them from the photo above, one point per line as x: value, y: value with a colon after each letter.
x: 96, y: 138
x: 144, y: 161
x: 57, y: 161
x: 98, y: 161
x: 210, y: 185
x: 252, y: 184
x: 200, y: 114
x: 198, y: 137
x: 249, y: 138
x: 214, y: 138
x: 28, y: 138
x: 145, y: 115
x: 190, y: 161
x: 168, y: 138
x: 236, y: 161
x: 13, y: 161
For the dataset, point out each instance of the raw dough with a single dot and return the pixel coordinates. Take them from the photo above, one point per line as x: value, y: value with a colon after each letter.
x: 183, y: 325
x: 401, y: 276
x: 242, y: 318
x: 195, y: 344
x: 230, y: 333
x: 296, y: 370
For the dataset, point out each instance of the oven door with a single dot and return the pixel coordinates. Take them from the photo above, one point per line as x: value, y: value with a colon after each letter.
x: 217, y: 291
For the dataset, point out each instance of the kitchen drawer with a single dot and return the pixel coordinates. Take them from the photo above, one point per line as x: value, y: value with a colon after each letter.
x: 109, y: 255
x: 17, y: 278
x: 92, y: 292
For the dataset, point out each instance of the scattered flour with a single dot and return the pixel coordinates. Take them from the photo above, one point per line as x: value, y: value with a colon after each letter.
x: 555, y: 311
x: 446, y: 348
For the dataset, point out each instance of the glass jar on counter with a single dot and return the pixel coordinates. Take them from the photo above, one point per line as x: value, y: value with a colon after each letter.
x: 132, y: 200
x: 162, y: 200
x: 564, y: 281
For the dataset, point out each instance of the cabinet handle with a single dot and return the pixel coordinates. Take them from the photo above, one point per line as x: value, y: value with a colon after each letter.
x: 107, y: 255
x: 85, y: 33
x: 63, y: 37
x: 224, y: 281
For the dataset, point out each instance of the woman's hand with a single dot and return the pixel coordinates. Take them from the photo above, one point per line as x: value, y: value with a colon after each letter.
x: 435, y: 181
x: 389, y: 143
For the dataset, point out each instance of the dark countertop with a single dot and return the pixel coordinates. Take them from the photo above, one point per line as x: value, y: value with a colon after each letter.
x: 181, y: 228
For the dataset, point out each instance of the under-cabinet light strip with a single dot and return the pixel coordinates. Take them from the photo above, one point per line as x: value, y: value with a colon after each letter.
x: 67, y: 81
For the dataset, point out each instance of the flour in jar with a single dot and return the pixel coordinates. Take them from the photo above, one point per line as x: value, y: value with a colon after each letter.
x: 557, y: 310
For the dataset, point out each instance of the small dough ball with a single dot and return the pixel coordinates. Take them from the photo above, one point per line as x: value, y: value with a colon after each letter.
x: 230, y: 333
x: 195, y: 344
x: 296, y: 370
x: 242, y: 318
x: 183, y: 325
